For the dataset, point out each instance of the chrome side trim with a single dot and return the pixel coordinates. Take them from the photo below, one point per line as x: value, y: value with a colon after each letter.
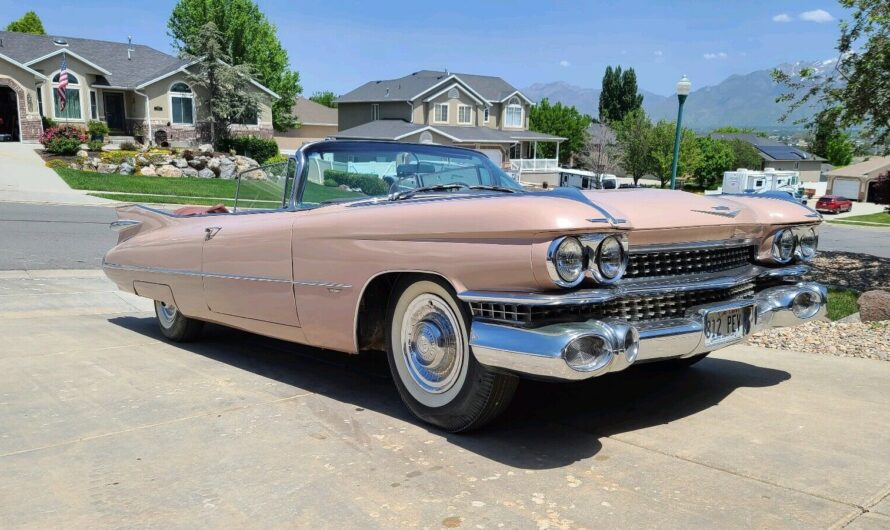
x: 184, y: 272
x: 123, y: 224
x: 720, y: 280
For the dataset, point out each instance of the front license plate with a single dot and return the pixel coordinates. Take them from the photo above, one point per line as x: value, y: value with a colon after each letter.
x: 724, y: 326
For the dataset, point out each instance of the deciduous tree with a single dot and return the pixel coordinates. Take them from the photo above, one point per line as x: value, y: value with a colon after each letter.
x: 562, y: 121
x: 839, y: 150
x: 326, y: 98
x: 634, y: 136
x: 715, y: 157
x: 619, y: 94
x: 663, y: 151
x: 744, y: 155
x: 857, y: 85
x: 248, y: 39
x: 29, y: 23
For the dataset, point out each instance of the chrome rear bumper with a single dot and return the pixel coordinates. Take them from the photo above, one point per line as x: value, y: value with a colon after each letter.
x: 542, y: 351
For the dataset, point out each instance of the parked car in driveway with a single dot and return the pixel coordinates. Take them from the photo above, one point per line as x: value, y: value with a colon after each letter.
x: 465, y: 280
x: 833, y: 204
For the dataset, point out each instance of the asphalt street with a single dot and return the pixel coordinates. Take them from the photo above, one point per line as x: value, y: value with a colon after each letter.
x: 860, y: 240
x: 39, y: 236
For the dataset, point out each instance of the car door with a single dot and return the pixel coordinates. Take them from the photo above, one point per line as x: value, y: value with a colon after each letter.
x: 247, y: 266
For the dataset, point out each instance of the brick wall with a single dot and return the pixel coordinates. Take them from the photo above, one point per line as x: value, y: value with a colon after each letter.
x: 199, y: 133
x: 31, y: 126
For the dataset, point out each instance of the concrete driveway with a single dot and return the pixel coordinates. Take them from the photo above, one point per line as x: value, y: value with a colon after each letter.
x: 103, y: 424
x: 25, y: 178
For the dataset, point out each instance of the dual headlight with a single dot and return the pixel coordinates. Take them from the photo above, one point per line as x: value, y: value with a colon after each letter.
x: 570, y: 258
x: 799, y: 242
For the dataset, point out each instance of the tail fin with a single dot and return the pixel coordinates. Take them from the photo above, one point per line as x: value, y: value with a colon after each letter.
x: 135, y: 219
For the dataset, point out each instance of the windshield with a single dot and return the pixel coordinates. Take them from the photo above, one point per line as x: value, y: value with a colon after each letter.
x: 346, y: 170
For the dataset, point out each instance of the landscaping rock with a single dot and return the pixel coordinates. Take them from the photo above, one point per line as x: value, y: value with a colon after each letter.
x: 181, y: 163
x: 111, y: 147
x: 244, y: 163
x: 94, y: 162
x: 198, y: 163
x: 874, y: 306
x: 205, y: 149
x: 148, y: 171
x: 169, y: 171
x: 227, y: 169
x: 106, y: 168
x: 160, y: 159
x: 189, y: 172
x: 213, y: 163
x: 125, y: 169
x: 142, y: 160
x: 83, y: 154
x: 206, y: 173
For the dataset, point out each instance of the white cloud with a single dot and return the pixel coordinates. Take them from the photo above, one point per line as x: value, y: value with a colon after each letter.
x: 782, y: 17
x: 658, y: 53
x: 718, y: 55
x: 564, y: 63
x: 816, y: 15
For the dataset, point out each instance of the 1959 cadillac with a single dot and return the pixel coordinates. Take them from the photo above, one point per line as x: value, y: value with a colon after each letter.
x: 466, y: 280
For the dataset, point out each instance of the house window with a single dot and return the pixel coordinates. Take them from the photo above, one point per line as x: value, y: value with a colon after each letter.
x: 463, y: 114
x: 375, y: 112
x: 485, y: 115
x: 514, y: 114
x: 249, y: 118
x: 94, y: 108
x: 441, y: 113
x: 40, y: 101
x: 182, y: 104
x: 72, y: 99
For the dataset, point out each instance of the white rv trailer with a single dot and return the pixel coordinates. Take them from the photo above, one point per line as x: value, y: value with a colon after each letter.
x: 587, y: 180
x: 748, y: 181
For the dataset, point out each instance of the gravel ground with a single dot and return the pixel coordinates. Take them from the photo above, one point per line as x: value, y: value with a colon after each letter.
x: 869, y: 340
x: 862, y: 272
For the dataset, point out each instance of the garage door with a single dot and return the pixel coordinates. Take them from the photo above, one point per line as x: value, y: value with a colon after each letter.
x: 846, y: 188
x: 496, y: 155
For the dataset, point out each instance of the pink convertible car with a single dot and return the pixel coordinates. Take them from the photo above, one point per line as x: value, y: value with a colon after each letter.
x: 467, y: 281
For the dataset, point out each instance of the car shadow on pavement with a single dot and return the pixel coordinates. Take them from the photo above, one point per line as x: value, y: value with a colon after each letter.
x: 548, y: 425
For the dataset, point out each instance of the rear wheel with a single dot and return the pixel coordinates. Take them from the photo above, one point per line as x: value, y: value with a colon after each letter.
x: 176, y: 326
x: 430, y: 360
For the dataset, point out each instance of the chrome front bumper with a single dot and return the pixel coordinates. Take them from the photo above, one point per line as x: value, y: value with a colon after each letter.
x: 541, y: 351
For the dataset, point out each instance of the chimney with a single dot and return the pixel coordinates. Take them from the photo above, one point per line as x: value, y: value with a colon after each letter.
x: 130, y: 49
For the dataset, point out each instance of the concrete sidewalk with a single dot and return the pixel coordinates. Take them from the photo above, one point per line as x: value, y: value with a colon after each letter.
x: 25, y: 178
x: 104, y: 424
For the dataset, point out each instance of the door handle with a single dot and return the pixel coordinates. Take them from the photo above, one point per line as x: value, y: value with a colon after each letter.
x: 211, y: 231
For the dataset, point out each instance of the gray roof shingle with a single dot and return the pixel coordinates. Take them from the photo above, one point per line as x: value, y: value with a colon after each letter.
x: 408, y: 87
x: 146, y: 63
x: 394, y: 129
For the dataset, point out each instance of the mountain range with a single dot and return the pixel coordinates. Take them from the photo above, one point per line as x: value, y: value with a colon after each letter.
x: 747, y: 100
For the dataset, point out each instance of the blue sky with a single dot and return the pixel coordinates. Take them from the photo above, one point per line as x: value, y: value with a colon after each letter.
x: 339, y: 45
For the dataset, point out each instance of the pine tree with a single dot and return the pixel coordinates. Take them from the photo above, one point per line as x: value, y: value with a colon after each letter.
x: 619, y: 94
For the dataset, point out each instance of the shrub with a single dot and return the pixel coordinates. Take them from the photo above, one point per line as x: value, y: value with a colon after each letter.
x: 118, y: 157
x: 331, y: 183
x: 277, y: 159
x: 369, y: 184
x: 97, y: 128
x: 250, y: 146
x: 64, y: 140
x: 57, y: 163
x: 95, y: 145
x: 129, y: 146
x: 48, y: 123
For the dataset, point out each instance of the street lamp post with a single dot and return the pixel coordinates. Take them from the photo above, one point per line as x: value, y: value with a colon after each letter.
x: 683, y: 86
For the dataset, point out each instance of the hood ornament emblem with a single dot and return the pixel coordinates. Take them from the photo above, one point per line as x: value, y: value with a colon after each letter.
x: 722, y: 211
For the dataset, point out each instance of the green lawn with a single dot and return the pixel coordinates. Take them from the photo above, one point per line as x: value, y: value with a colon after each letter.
x: 188, y: 190
x: 842, y: 302
x: 876, y: 218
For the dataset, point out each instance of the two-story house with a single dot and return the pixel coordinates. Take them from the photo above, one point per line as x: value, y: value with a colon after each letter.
x: 135, y: 89
x: 476, y: 111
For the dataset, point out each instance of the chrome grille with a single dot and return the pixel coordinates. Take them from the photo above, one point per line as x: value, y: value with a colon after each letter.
x: 631, y: 309
x: 670, y: 262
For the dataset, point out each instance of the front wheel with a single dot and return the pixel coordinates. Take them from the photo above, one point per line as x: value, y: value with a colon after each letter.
x: 176, y: 326
x: 429, y: 355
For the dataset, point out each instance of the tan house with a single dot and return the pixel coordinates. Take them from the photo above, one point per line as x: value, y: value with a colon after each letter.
x: 780, y: 156
x: 135, y: 89
x: 857, y: 181
x: 317, y: 122
x: 477, y: 111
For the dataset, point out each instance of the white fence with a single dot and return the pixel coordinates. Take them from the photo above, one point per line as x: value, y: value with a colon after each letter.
x: 534, y: 164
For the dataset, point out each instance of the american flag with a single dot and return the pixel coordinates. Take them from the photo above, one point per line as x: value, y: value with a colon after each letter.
x: 63, y: 84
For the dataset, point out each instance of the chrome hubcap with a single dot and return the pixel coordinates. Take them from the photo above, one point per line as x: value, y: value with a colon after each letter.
x: 432, y: 344
x: 166, y: 314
